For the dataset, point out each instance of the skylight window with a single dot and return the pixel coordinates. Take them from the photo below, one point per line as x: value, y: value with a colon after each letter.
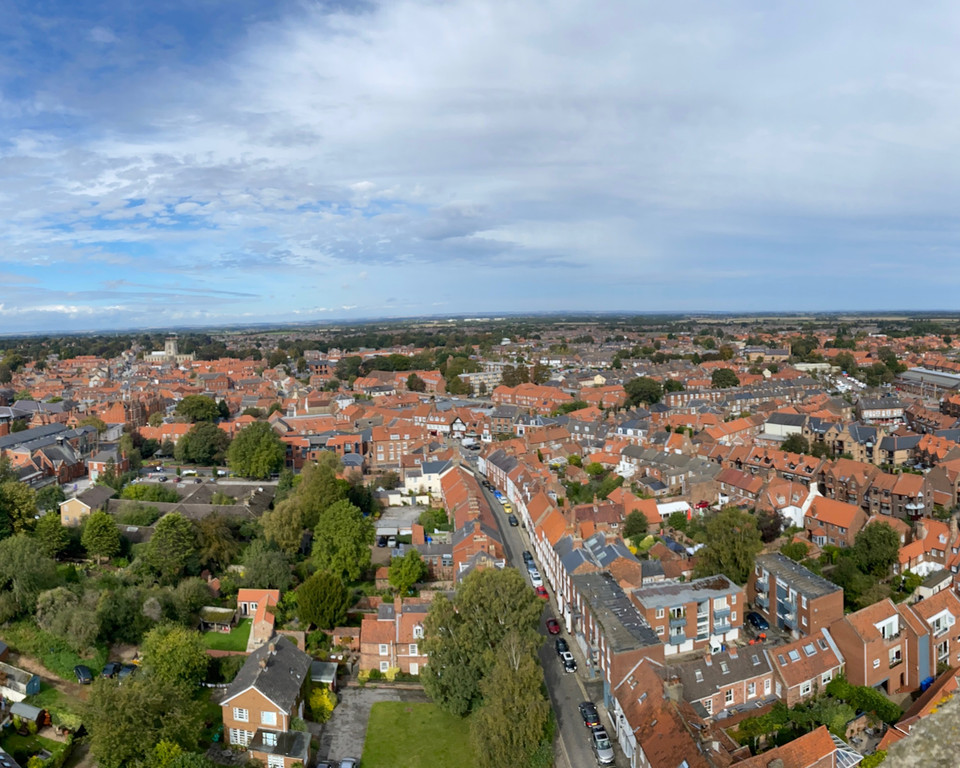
x: 794, y: 655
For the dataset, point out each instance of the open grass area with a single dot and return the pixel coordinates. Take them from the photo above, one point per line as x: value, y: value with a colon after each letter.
x: 22, y: 748
x: 63, y: 708
x: 234, y: 641
x: 50, y: 650
x: 402, y: 735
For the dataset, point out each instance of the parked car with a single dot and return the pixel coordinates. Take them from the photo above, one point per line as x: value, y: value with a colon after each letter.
x: 392, y: 542
x: 602, y: 746
x: 83, y: 674
x: 111, y: 669
x: 757, y: 621
x: 536, y: 579
x: 569, y: 663
x: 561, y: 645
x: 512, y: 519
x: 588, y: 711
x: 542, y: 592
x: 349, y: 762
x: 126, y: 670
x: 553, y: 626
x: 527, y: 556
x: 325, y: 764
x: 381, y: 541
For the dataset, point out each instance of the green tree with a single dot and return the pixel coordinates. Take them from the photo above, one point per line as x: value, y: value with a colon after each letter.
x: 196, y: 408
x: 724, y: 378
x: 678, y: 521
x: 150, y: 492
x: 342, y: 541
x: 643, y: 391
x: 795, y: 550
x: 635, y: 527
x: 415, y: 383
x: 18, y: 507
x: 100, y: 536
x: 875, y: 549
x: 672, y: 385
x: 320, y: 488
x: 217, y: 547
x: 172, y: 547
x: 265, y: 567
x: 51, y: 535
x: 256, y: 452
x: 155, y: 420
x: 796, y: 443
x: 733, y: 541
x: 322, y: 600
x: 284, y: 525
x: 406, y: 571
x: 127, y: 721
x: 93, y: 421
x: 205, y: 443
x: 25, y: 572
x: 176, y: 655
x: 49, y: 497
x: 508, y: 727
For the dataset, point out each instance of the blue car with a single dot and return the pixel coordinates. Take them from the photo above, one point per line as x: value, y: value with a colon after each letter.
x: 757, y: 621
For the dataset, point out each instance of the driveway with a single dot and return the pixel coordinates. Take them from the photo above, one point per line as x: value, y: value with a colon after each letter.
x: 344, y: 733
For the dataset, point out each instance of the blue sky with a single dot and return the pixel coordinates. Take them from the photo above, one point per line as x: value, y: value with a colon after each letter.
x: 215, y: 162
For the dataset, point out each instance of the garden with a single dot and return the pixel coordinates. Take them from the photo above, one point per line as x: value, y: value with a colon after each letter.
x: 235, y: 640
x: 407, y: 735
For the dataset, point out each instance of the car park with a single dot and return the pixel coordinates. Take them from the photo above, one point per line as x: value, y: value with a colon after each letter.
x: 757, y: 621
x: 588, y: 711
x: 569, y: 663
x: 512, y: 519
x: 553, y: 626
x: 602, y: 747
x: 83, y: 674
x: 111, y: 669
x: 542, y: 592
x: 561, y: 645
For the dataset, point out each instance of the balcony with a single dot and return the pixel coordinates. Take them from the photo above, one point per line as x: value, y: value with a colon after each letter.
x: 761, y: 586
x: 896, y: 662
x: 722, y: 629
x: 762, y: 603
x: 721, y: 613
x: 678, y: 639
x: 678, y: 621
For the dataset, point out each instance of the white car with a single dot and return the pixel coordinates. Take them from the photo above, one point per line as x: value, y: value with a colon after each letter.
x: 535, y: 579
x: 569, y: 663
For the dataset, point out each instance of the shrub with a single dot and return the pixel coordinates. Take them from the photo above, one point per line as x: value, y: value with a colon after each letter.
x: 391, y: 673
x: 321, y: 702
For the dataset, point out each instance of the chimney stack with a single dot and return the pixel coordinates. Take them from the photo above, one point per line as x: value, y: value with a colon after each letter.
x: 272, y: 648
x: 263, y: 663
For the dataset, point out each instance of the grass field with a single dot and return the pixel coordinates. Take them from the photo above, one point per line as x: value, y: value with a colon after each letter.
x: 402, y: 735
x: 235, y: 641
x: 64, y: 709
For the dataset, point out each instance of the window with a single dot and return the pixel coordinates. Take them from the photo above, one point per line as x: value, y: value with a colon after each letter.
x: 943, y: 650
x: 660, y: 630
x: 699, y: 675
x: 241, y: 737
x: 241, y: 715
x: 384, y: 650
x: 708, y: 705
x: 275, y: 761
x: 805, y: 688
x: 766, y: 687
x: 269, y: 739
x: 418, y: 631
x: 413, y: 649
x: 268, y: 718
x: 751, y: 690
x: 826, y: 677
x: 779, y: 689
x: 733, y: 617
x: 803, y: 601
x: 728, y: 697
x: 384, y: 666
x: 659, y: 613
x: 876, y: 663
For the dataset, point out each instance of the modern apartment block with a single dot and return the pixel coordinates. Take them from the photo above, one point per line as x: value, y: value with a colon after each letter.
x: 688, y: 616
x: 791, y: 597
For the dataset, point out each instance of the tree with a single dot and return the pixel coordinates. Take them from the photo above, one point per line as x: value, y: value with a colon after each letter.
x: 540, y: 373
x: 172, y: 547
x: 795, y: 443
x: 205, y: 443
x: 25, y: 572
x: 733, y: 541
x: 342, y: 541
x: 155, y: 419
x: 93, y: 421
x: 508, y: 728
x: 672, y: 385
x: 256, y: 452
x: 150, y: 492
x: 322, y: 600
x: 176, y: 655
x: 678, y: 521
x: 875, y: 549
x: 216, y: 545
x: 49, y: 497
x: 196, y: 408
x: 795, y: 550
x: 406, y: 571
x: 265, y: 567
x: 320, y: 488
x: 65, y: 614
x: 284, y: 525
x: 635, y: 527
x: 127, y: 721
x: 100, y: 536
x: 18, y: 507
x: 724, y: 378
x: 415, y: 383
x: 643, y: 391
x: 51, y: 535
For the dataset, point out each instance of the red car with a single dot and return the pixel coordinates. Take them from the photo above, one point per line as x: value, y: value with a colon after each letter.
x: 542, y: 593
x: 553, y: 626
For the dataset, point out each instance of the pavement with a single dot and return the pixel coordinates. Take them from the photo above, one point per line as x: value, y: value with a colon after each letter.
x: 344, y: 733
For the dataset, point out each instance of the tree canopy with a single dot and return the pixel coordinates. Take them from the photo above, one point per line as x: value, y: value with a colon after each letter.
x: 733, y: 541
x: 406, y: 571
x: 100, y: 536
x: 172, y: 547
x: 875, y: 549
x: 25, y: 572
x: 643, y: 391
x: 322, y: 600
x: 198, y: 408
x: 724, y: 378
x: 256, y: 452
x: 176, y: 655
x: 205, y: 443
x: 342, y: 541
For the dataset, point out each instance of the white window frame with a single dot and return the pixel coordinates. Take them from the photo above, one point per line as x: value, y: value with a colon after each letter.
x: 660, y: 613
x: 413, y: 649
x: 751, y: 690
x: 275, y: 761
x: 240, y: 737
x: 241, y: 715
x: 876, y: 663
x: 805, y: 688
x: 384, y: 649
x: 384, y: 666
x: 708, y: 705
x: 418, y: 631
x: 728, y: 696
x: 766, y: 686
x: 270, y: 738
x: 268, y: 717
x: 826, y: 677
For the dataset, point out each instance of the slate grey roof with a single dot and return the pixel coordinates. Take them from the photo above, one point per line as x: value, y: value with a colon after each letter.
x: 29, y: 435
x: 804, y: 581
x: 787, y: 419
x: 295, y: 744
x: 863, y: 434
x: 624, y: 628
x: 899, y: 442
x: 670, y: 594
x: 282, y: 677
x: 702, y: 678
x: 96, y: 496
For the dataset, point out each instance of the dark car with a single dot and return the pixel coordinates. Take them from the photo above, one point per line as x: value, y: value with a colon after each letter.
x: 757, y: 621
x: 83, y: 673
x: 512, y: 519
x: 111, y: 669
x: 588, y: 711
x: 381, y: 541
x: 553, y: 626
x: 527, y: 556
x: 561, y: 645
x: 569, y: 663
x: 126, y: 670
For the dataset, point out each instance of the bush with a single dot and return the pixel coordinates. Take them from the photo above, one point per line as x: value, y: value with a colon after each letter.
x: 375, y: 674
x: 321, y: 702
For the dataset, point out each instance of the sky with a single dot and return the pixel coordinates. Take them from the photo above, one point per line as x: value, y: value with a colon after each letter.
x: 210, y: 162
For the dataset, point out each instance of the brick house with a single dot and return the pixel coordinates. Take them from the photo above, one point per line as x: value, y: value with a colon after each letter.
x: 804, y: 667
x: 73, y: 511
x: 792, y: 597
x: 393, y: 639
x: 940, y: 613
x: 726, y: 683
x: 267, y: 693
x: 254, y: 604
x: 833, y: 522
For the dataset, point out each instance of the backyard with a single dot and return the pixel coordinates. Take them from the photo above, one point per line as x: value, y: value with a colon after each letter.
x: 236, y: 640
x: 22, y: 748
x: 409, y: 735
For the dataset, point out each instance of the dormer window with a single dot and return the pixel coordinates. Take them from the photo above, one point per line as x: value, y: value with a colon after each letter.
x: 418, y: 630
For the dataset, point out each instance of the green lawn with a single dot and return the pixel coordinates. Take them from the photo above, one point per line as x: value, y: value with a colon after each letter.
x: 235, y: 641
x: 64, y: 709
x: 22, y: 748
x: 402, y: 735
x: 51, y: 651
